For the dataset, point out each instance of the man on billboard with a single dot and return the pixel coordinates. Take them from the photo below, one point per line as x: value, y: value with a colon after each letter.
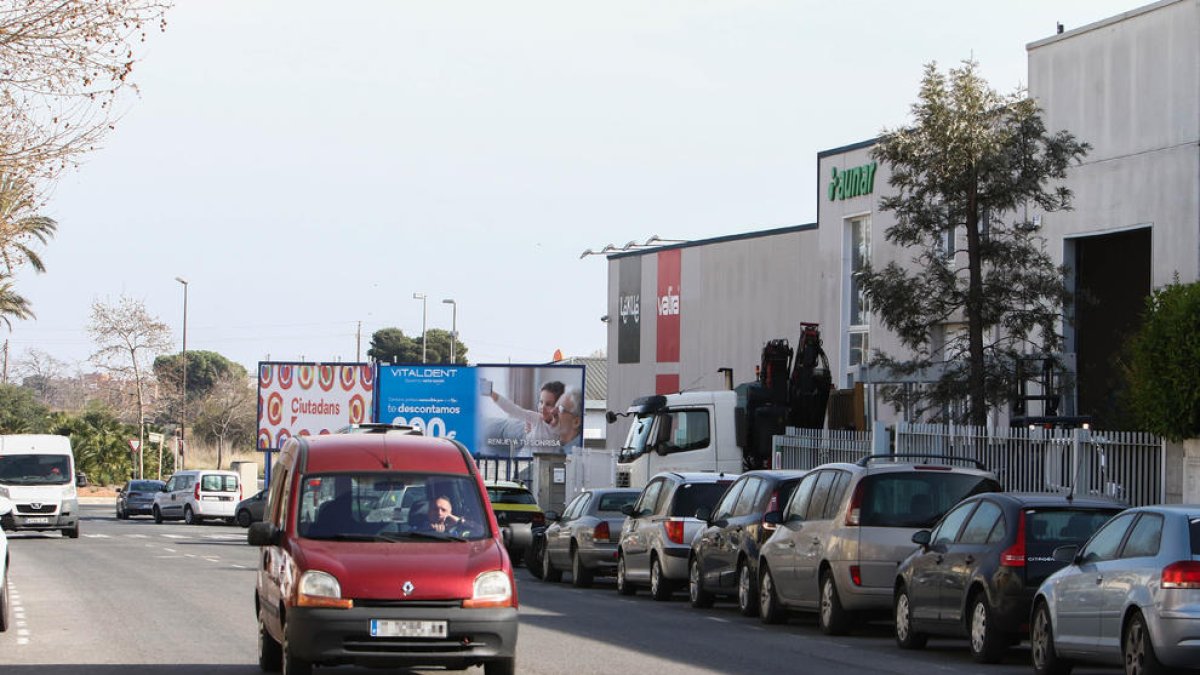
x: 568, y: 419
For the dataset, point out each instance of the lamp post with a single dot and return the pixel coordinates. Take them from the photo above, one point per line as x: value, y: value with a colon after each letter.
x: 181, y: 460
x: 424, y: 305
x: 453, y: 327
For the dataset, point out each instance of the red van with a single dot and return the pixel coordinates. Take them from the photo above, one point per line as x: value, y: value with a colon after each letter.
x: 380, y: 549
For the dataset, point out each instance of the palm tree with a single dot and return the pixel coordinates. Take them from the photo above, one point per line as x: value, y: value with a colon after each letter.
x: 20, y: 227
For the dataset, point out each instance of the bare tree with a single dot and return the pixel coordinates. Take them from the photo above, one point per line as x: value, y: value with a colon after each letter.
x: 63, y: 67
x: 40, y: 372
x: 127, y: 339
x: 228, y: 413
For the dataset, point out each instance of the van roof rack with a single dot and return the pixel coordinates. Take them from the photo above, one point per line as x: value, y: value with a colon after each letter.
x: 378, y: 428
x: 948, y: 458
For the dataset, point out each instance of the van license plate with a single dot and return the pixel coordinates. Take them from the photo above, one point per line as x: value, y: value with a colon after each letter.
x: 417, y: 629
x: 37, y: 521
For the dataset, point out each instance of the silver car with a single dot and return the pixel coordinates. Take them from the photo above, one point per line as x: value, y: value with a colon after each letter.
x: 584, y: 538
x: 1131, y: 595
x: 656, y: 539
x: 846, y: 528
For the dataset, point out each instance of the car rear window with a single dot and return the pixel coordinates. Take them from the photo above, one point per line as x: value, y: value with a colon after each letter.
x: 511, y: 496
x: 614, y: 502
x: 917, y: 498
x: 214, y: 483
x: 1064, y: 526
x: 691, y: 496
x: 1196, y: 536
x: 145, y: 486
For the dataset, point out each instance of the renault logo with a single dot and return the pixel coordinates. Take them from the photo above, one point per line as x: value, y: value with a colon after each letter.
x: 407, y: 588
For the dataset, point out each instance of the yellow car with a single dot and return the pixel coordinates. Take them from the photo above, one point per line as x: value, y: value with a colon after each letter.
x: 517, y: 512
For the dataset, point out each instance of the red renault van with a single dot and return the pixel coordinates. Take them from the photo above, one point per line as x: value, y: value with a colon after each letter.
x: 380, y: 549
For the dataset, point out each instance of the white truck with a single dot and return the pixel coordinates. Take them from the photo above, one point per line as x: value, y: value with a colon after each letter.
x: 37, y: 474
x: 731, y: 430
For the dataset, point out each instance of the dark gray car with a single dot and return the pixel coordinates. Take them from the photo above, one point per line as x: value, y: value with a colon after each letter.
x: 584, y: 538
x: 250, y: 510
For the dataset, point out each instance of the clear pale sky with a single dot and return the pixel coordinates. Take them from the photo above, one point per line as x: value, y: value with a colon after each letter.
x: 310, y: 165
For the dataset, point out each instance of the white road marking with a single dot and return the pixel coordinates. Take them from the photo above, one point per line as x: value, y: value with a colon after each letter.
x: 169, y: 550
x: 96, y: 536
x: 717, y: 619
x: 137, y: 536
x: 176, y: 536
x: 240, y: 567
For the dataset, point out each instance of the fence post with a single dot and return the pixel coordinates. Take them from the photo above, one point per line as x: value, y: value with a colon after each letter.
x: 880, y: 444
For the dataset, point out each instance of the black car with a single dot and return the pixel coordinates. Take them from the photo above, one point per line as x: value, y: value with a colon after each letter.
x: 724, y: 557
x: 977, y: 570
x: 136, y: 498
x: 250, y: 510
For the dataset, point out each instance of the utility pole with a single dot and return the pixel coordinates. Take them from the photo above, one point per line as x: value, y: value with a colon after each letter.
x: 6, y: 361
x: 358, y: 343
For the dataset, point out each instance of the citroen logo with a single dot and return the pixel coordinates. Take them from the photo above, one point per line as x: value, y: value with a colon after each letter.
x: 407, y: 588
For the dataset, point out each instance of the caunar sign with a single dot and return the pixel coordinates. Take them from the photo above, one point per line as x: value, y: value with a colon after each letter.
x: 669, y: 306
x: 311, y: 399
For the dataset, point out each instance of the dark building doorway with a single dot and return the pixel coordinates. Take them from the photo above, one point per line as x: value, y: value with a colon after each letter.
x: 1112, y: 280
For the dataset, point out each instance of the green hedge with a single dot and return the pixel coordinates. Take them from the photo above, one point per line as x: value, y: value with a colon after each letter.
x: 1164, y: 375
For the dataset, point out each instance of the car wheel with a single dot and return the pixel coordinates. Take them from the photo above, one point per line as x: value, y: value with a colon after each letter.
x: 120, y: 513
x: 747, y: 590
x: 270, y: 654
x: 1041, y: 645
x: 4, y: 609
x: 700, y: 598
x: 580, y: 575
x: 623, y: 585
x: 189, y: 516
x: 660, y: 588
x: 832, y: 619
x: 1138, y: 649
x: 549, y: 572
x: 533, y: 559
x: 770, y: 610
x: 291, y: 664
x: 501, y: 666
x: 906, y: 636
x: 157, y: 515
x: 72, y: 532
x: 987, y: 644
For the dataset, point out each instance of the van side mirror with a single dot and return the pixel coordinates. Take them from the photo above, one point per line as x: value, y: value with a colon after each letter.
x: 921, y: 538
x: 661, y: 449
x: 1066, y: 554
x: 264, y: 534
x: 553, y: 516
x: 610, y: 416
x: 80, y: 479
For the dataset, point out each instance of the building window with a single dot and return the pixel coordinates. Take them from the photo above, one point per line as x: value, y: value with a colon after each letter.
x: 858, y: 244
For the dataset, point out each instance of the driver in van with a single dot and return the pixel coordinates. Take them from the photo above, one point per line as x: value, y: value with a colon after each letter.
x: 442, y: 518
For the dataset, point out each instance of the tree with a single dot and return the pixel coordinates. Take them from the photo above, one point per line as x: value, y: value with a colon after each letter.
x: 40, y: 372
x: 20, y: 228
x: 1164, y: 391
x: 204, y: 370
x: 391, y: 345
x: 63, y: 69
x: 227, y: 413
x: 20, y: 412
x: 965, y: 172
x: 100, y: 443
x: 126, y: 337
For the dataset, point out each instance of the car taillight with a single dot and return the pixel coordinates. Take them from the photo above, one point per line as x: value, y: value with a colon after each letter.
x: 196, y: 492
x: 1182, y: 574
x: 538, y: 518
x: 674, y: 530
x: 852, y: 513
x: 239, y: 492
x: 600, y: 532
x: 856, y: 575
x: 1014, y: 556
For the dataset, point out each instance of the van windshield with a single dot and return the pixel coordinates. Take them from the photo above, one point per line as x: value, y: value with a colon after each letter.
x: 35, y: 470
x: 391, y: 507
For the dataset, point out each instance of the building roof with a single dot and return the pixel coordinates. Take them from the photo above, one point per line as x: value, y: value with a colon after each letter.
x: 595, y: 372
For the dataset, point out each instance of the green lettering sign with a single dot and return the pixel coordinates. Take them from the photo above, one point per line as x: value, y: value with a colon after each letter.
x: 854, y: 182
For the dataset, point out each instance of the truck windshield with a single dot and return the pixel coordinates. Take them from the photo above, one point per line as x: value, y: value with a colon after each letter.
x: 34, y: 470
x: 636, y: 441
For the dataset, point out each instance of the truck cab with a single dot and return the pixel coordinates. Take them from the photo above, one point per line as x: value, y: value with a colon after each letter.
x: 690, y: 431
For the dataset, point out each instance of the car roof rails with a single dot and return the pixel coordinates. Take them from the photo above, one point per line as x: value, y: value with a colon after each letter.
x: 948, y: 458
x: 378, y: 428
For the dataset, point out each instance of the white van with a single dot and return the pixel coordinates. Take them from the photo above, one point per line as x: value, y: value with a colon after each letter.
x: 37, y: 474
x: 196, y: 494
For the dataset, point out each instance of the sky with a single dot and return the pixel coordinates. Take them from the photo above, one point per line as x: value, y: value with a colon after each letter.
x: 308, y: 166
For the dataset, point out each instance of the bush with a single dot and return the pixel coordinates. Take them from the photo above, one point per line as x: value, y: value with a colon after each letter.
x: 1164, y: 374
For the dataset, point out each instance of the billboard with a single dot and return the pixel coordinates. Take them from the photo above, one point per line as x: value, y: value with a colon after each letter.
x: 629, y: 309
x: 310, y: 399
x: 669, y: 306
x: 495, y: 410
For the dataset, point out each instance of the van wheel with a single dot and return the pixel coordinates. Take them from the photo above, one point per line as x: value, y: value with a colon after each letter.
x: 72, y: 532
x: 832, y: 619
x: 660, y: 588
x: 4, y: 609
x: 292, y: 665
x: 747, y: 591
x: 700, y: 598
x: 580, y: 575
x: 501, y: 666
x: 189, y: 516
x: 157, y: 515
x: 770, y: 610
x: 623, y: 585
x: 270, y: 654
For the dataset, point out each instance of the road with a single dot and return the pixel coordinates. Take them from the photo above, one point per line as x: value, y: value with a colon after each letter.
x: 132, y: 597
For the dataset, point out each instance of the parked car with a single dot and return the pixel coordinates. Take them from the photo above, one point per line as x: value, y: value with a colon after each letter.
x: 6, y: 508
x: 656, y: 537
x: 724, y: 557
x: 846, y: 529
x: 136, y: 498
x: 1130, y: 595
x: 518, y: 513
x: 250, y: 510
x: 976, y: 572
x: 533, y: 555
x: 197, y: 494
x: 429, y: 586
x: 584, y: 538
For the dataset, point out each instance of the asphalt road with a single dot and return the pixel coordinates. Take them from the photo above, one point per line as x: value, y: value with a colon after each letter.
x: 137, y: 598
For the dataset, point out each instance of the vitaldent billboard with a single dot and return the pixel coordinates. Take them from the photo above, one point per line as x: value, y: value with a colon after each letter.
x: 311, y: 399
x: 495, y: 410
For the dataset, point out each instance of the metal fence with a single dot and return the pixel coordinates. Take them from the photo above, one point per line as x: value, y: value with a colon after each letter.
x: 517, y: 469
x: 1124, y: 465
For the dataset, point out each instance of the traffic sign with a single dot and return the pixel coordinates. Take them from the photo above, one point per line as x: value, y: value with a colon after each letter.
x: 134, y: 445
x: 154, y: 437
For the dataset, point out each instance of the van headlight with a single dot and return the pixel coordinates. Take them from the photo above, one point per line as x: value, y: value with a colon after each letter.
x: 492, y: 589
x: 320, y: 589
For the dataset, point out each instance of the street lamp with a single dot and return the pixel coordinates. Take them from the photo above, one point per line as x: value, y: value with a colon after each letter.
x: 183, y: 385
x: 453, y: 326
x: 424, y: 304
